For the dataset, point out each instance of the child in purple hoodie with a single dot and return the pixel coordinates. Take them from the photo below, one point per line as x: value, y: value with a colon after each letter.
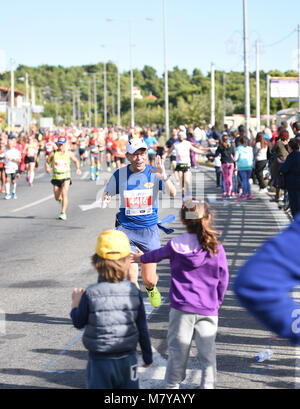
x: 199, y: 279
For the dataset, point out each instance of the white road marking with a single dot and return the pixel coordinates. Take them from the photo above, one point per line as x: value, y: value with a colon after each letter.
x: 40, y: 176
x: 33, y: 204
x: 85, y: 175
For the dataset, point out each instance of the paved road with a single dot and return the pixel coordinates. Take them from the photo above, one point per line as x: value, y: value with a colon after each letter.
x: 44, y: 258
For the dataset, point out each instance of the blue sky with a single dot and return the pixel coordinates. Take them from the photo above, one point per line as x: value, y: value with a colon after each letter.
x: 72, y: 32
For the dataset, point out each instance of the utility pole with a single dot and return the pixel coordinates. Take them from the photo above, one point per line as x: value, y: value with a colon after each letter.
x: 74, y: 106
x: 246, y: 71
x: 89, y: 103
x: 27, y: 108
x: 167, y: 125
x: 224, y: 98
x: 12, y: 93
x: 78, y: 106
x: 257, y: 88
x: 105, y: 99
x: 212, y: 109
x: 131, y: 75
x: 119, y: 98
x: 95, y: 101
x: 268, y: 100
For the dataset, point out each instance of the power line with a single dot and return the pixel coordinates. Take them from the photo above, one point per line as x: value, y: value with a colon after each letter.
x: 283, y: 39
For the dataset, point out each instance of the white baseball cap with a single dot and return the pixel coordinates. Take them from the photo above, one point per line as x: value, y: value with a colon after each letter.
x: 135, y: 144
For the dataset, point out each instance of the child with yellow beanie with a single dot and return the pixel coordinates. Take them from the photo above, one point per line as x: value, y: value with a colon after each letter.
x: 113, y: 315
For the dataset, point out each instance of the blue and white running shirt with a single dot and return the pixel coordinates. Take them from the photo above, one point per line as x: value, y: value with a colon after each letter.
x: 139, y: 196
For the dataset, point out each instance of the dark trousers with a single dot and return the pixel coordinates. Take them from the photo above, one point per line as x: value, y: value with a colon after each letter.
x: 218, y: 175
x: 294, y: 199
x: 113, y: 373
x: 259, y: 172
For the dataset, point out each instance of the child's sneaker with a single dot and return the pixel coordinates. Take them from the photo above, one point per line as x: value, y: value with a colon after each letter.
x: 62, y: 216
x: 14, y: 196
x: 154, y: 297
x: 249, y: 196
x: 7, y: 197
x: 242, y: 197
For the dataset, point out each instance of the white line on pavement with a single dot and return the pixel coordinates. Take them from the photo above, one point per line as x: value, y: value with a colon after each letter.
x: 85, y: 175
x: 40, y: 176
x: 33, y: 204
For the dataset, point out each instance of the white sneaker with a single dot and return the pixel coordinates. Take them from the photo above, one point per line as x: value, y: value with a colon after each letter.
x: 7, y: 197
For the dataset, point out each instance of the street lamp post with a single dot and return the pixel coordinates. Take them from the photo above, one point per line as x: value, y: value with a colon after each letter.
x: 12, y: 94
x: 257, y: 88
x: 246, y: 71
x: 95, y: 101
x: 167, y: 125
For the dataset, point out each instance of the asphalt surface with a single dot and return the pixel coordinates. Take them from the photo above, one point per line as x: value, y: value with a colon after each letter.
x: 43, y: 259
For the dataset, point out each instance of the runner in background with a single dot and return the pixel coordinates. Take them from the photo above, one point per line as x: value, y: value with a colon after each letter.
x: 82, y: 143
x: 94, y: 156
x: 152, y: 144
x: 120, y: 150
x: 2, y: 169
x: 12, y: 159
x: 182, y: 148
x: 110, y: 142
x: 169, y: 144
x: 30, y: 150
x: 61, y: 180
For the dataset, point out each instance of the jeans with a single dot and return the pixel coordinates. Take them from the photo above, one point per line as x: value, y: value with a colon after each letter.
x: 245, y: 176
x: 218, y: 175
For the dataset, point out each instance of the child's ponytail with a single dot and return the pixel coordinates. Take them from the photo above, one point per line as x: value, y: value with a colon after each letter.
x: 196, y: 216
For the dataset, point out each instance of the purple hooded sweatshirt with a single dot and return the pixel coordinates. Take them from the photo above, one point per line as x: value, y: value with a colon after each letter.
x: 198, y: 279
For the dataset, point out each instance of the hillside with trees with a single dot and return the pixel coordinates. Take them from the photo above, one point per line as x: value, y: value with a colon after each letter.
x: 189, y: 94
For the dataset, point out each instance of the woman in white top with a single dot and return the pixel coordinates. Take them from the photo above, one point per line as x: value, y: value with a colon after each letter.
x: 260, y: 156
x: 183, y: 149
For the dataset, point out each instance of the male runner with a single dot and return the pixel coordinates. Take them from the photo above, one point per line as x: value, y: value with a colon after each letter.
x: 138, y: 185
x: 61, y: 179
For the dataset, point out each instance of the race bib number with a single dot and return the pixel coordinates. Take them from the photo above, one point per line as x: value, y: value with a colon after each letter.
x: 138, y: 202
x: 61, y: 165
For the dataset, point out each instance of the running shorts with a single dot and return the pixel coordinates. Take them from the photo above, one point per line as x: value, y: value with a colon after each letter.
x: 29, y: 159
x: 81, y: 151
x: 12, y: 176
x: 96, y: 156
x: 146, y: 239
x: 59, y: 182
x: 182, y: 167
x: 122, y: 160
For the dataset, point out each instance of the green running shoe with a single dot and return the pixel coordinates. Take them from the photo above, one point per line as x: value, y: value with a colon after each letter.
x: 154, y: 297
x: 62, y: 216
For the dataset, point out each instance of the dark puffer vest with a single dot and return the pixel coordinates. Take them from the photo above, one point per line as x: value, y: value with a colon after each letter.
x: 113, y: 311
